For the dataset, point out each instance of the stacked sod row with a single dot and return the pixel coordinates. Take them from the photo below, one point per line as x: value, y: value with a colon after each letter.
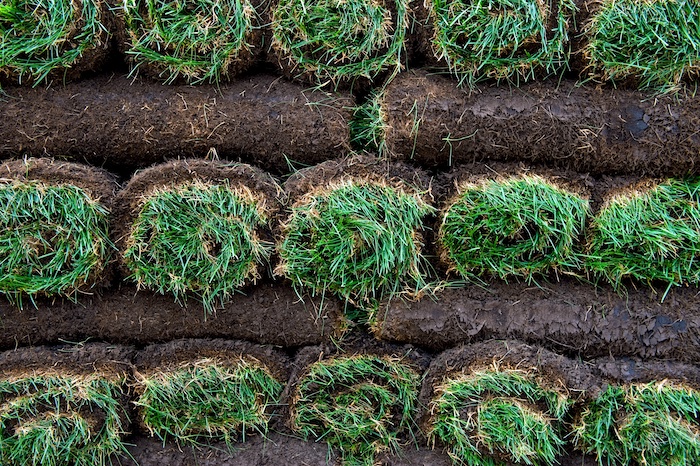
x: 650, y: 44
x: 500, y: 401
x: 352, y: 228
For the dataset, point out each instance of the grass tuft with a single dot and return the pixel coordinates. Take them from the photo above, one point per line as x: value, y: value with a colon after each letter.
x: 652, y: 234
x: 358, y: 239
x: 519, y: 226
x: 357, y: 404
x: 57, y: 420
x: 501, y: 39
x: 336, y: 40
x: 197, y: 40
x: 208, y: 399
x: 646, y: 424
x: 655, y: 43
x: 490, y: 416
x: 40, y: 36
x: 367, y: 126
x: 53, y: 240
x: 199, y: 239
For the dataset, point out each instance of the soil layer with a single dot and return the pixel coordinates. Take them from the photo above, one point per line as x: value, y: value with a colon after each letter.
x: 586, y: 129
x: 126, y: 124
x: 268, y: 314
x: 570, y: 317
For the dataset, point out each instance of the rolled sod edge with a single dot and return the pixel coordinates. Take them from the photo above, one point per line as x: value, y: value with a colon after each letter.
x: 431, y: 121
x: 125, y: 124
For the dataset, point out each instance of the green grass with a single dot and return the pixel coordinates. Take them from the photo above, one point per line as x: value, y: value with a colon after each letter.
x: 53, y: 240
x: 56, y: 420
x: 40, y: 36
x: 198, y: 239
x: 367, y: 126
x: 208, y: 399
x: 653, y: 234
x: 196, y: 40
x: 518, y: 226
x: 492, y: 415
x: 501, y: 39
x: 651, y: 424
x: 336, y: 40
x: 655, y: 43
x: 358, y: 404
x: 358, y: 239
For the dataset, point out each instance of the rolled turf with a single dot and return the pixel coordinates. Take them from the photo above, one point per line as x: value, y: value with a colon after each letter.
x: 332, y: 41
x: 60, y: 39
x: 54, y: 239
x: 202, y: 41
x: 508, y: 39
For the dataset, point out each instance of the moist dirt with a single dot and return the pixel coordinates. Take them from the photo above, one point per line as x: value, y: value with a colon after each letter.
x: 433, y: 122
x: 124, y: 124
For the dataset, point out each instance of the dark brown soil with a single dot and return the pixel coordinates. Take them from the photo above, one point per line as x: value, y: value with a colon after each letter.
x: 566, y: 316
x: 130, y: 200
x: 268, y: 314
x: 584, y: 129
x: 636, y: 370
x: 125, y: 124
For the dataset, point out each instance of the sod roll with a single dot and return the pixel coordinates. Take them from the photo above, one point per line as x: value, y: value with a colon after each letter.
x: 332, y: 41
x: 59, y: 409
x: 44, y: 39
x: 192, y: 391
x: 54, y: 223
x: 512, y: 40
x: 196, y: 42
x: 427, y: 118
x: 566, y: 316
x: 123, y: 124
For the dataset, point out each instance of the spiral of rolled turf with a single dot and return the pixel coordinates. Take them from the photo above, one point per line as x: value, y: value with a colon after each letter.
x: 655, y: 44
x: 648, y: 233
x: 40, y: 36
x: 208, y: 398
x: 53, y: 239
x: 645, y: 424
x: 490, y: 416
x: 335, y: 40
x: 501, y: 39
x: 518, y: 226
x: 196, y: 40
x: 198, y: 238
x: 359, y: 239
x: 56, y: 420
x: 358, y: 404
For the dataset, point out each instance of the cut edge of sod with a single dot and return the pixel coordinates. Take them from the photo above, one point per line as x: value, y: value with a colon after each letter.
x: 521, y: 226
x: 63, y: 426
x: 649, y: 232
x: 331, y: 41
x: 208, y: 398
x: 38, y: 48
x: 515, y: 415
x: 193, y: 42
x: 333, y: 242
x: 650, y: 423
x: 653, y: 44
x: 169, y: 254
x: 383, y: 401
x: 64, y: 263
x: 495, y: 51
